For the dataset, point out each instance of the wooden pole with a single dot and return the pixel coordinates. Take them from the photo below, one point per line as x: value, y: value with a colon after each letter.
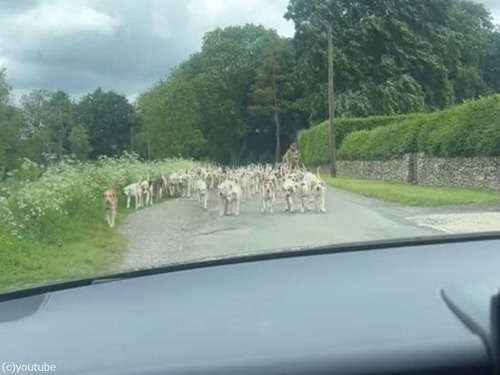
x: 331, y: 128
x: 276, y: 119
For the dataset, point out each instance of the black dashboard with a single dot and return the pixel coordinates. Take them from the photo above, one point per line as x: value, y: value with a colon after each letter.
x: 419, y: 306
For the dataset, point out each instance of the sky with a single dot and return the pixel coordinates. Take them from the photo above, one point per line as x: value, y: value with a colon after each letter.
x: 120, y: 45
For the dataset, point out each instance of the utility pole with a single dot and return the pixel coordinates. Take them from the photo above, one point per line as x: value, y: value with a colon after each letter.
x: 331, y: 127
x: 276, y: 116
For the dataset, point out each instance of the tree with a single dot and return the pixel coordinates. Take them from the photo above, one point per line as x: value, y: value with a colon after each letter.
x: 228, y: 60
x: 393, y: 56
x: 38, y: 120
x: 203, y: 108
x: 273, y: 86
x: 61, y: 120
x: 12, y: 143
x: 5, y: 88
x: 79, y: 141
x: 169, y: 121
x: 491, y: 64
x: 109, y: 120
x: 49, y: 118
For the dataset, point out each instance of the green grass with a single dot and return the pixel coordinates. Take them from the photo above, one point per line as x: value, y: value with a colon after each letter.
x: 414, y: 195
x: 52, y: 226
x: 62, y: 250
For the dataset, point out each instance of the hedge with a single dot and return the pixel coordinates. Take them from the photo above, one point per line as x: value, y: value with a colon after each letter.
x: 466, y: 130
x: 313, y: 142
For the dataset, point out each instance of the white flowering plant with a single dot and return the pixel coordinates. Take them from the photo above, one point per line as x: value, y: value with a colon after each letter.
x: 68, y: 191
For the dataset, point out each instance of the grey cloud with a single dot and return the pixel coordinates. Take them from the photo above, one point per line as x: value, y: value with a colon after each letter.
x: 130, y: 55
x: 148, y: 38
x: 142, y: 42
x: 16, y: 5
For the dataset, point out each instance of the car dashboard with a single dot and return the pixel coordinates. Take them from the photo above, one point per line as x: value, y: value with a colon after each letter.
x: 400, y: 307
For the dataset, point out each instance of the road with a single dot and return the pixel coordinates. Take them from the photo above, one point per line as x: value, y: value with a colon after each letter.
x: 180, y: 231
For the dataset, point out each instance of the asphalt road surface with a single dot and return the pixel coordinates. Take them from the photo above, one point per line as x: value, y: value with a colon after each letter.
x: 180, y: 230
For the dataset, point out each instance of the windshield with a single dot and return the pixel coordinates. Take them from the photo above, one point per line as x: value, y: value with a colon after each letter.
x: 140, y: 134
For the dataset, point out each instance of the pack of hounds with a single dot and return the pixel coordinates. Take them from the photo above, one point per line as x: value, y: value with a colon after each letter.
x: 234, y: 187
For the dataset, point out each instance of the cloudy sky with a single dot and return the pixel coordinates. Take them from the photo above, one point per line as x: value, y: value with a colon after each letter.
x: 120, y: 45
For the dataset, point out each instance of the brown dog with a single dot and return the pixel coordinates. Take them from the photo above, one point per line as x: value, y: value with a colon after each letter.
x: 111, y: 202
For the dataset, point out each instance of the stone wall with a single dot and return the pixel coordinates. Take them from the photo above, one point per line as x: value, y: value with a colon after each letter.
x: 459, y: 172
x: 389, y: 170
x: 479, y: 172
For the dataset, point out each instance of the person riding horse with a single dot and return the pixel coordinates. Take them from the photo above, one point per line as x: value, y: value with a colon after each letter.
x: 291, y: 157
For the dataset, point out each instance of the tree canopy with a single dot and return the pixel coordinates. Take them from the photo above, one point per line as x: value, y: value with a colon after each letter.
x: 395, y: 56
x: 248, y: 92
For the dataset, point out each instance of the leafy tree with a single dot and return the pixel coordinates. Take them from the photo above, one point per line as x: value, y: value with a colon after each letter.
x: 393, y: 56
x: 79, y: 141
x: 168, y: 119
x: 61, y: 120
x: 491, y: 64
x: 12, y: 142
x: 110, y: 121
x: 38, y: 119
x: 12, y: 145
x: 272, y: 92
x: 4, y: 87
x: 203, y: 108
x: 49, y: 118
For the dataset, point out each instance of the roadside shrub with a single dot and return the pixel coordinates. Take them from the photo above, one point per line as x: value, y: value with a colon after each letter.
x: 467, y: 130
x: 313, y: 142
x: 70, y: 191
x: 385, y: 142
x: 486, y: 113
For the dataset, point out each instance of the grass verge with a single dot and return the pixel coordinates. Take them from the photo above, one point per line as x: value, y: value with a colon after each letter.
x: 414, y: 195
x: 52, y: 225
x: 85, y: 246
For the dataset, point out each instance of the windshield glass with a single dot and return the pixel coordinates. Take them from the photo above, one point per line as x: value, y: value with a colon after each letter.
x: 141, y: 134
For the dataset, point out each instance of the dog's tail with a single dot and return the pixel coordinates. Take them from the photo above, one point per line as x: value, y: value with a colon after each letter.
x: 317, y: 173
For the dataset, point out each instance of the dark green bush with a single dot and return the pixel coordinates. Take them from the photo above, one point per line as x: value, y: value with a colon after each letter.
x: 314, y: 141
x: 470, y: 129
x: 386, y: 142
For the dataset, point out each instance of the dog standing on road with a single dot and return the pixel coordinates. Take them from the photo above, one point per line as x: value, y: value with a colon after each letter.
x: 317, y: 189
x: 202, y: 193
x: 146, y: 192
x: 304, y: 195
x: 111, y: 202
x: 267, y: 197
x: 290, y: 189
x: 224, y: 190
x: 318, y: 194
x: 229, y: 198
x: 235, y: 197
